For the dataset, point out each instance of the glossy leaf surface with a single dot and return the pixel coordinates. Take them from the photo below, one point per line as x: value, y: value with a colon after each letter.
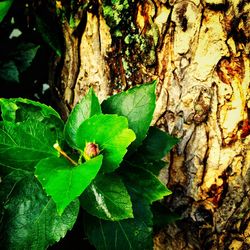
x: 144, y: 183
x: 22, y: 145
x: 111, y: 134
x: 137, y: 104
x: 4, y: 7
x: 30, y: 219
x: 65, y: 182
x: 107, y: 198
x: 126, y: 234
x: 156, y: 145
x: 20, y: 110
x: 86, y: 108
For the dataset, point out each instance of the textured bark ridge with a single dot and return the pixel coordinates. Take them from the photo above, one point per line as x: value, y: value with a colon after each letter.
x: 207, y: 105
x: 199, y: 53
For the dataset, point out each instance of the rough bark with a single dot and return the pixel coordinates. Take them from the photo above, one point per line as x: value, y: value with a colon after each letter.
x: 199, y: 53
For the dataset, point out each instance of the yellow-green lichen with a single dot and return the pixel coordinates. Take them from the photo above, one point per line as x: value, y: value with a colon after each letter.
x: 113, y: 12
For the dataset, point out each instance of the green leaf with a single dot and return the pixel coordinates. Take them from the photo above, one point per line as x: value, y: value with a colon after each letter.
x: 30, y: 219
x: 19, y: 110
x: 49, y: 32
x: 23, y: 55
x: 22, y: 145
x: 137, y: 104
x: 86, y: 108
x: 4, y: 8
x: 162, y: 215
x: 19, y: 61
x: 107, y: 198
x: 154, y: 167
x: 156, y: 145
x: 6, y: 186
x: 111, y: 134
x: 9, y: 71
x: 144, y: 183
x: 126, y: 234
x: 65, y: 182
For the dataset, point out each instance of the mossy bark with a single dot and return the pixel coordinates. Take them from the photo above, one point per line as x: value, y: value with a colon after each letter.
x: 198, y: 51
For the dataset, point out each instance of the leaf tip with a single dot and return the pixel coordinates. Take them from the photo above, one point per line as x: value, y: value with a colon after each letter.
x: 60, y: 209
x: 132, y: 135
x: 60, y: 212
x: 154, y: 82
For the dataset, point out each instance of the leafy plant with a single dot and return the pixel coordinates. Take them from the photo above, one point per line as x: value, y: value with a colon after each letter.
x: 104, y: 160
x: 13, y: 63
x: 4, y: 8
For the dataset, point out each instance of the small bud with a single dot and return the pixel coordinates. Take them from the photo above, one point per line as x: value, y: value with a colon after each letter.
x: 57, y: 147
x: 90, y: 151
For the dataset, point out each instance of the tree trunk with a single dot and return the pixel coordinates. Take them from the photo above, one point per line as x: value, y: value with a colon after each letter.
x: 199, y: 53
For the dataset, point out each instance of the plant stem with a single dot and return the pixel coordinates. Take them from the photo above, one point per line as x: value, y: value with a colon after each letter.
x: 58, y: 148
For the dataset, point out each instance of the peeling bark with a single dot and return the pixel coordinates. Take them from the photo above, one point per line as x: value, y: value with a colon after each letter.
x: 199, y: 53
x: 96, y: 42
x: 207, y: 107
